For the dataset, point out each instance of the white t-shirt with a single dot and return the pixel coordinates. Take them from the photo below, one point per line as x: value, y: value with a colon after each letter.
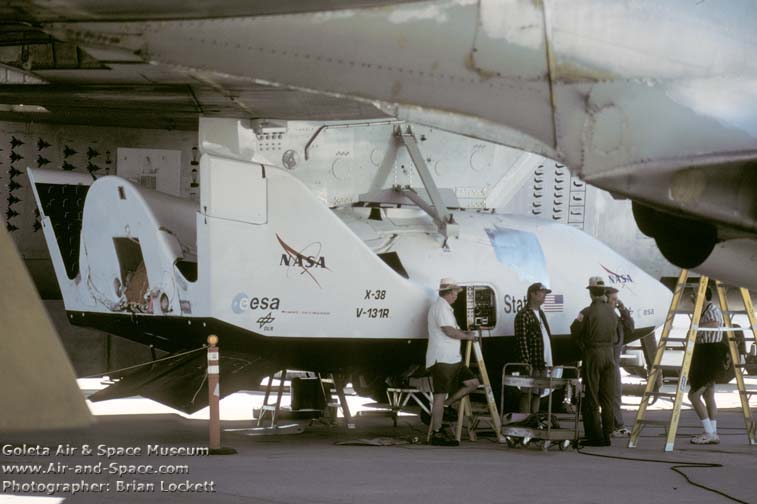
x: 547, y: 344
x: 441, y: 348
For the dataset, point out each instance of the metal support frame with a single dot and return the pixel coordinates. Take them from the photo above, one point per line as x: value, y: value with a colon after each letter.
x: 273, y: 409
x: 437, y: 209
x: 339, y: 382
x: 398, y: 397
x: 323, y: 128
x: 439, y: 212
x: 413, y: 196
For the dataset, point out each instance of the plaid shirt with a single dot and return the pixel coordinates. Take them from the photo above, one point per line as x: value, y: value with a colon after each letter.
x: 529, y: 338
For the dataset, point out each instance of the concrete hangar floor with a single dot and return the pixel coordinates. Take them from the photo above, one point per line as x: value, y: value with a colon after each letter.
x: 157, y: 456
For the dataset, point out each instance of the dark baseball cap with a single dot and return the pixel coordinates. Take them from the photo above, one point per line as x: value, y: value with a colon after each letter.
x: 537, y: 287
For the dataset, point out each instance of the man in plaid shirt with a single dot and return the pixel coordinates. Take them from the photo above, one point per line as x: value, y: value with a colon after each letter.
x: 533, y: 337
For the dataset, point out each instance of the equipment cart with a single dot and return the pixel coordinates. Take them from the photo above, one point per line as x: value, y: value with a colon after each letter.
x: 516, y: 434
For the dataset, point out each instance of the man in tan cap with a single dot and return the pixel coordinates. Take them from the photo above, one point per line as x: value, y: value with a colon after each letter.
x: 625, y: 327
x: 595, y: 331
x: 443, y: 359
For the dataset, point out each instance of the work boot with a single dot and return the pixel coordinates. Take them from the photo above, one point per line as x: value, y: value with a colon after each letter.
x: 450, y: 415
x: 594, y: 442
x: 441, y: 438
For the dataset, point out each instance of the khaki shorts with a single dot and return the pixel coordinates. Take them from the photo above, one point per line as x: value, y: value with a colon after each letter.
x: 449, y: 378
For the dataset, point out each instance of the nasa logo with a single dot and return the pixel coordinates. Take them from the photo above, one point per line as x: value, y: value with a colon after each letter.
x: 243, y: 302
x: 617, y: 278
x: 513, y: 304
x: 302, y: 260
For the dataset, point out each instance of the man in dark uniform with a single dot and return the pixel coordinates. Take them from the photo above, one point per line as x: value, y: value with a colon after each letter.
x: 625, y: 327
x: 595, y: 331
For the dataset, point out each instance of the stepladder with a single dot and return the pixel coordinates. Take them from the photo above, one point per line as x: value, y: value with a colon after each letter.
x: 697, y: 329
x: 467, y: 415
x: 272, y: 408
x: 334, y: 385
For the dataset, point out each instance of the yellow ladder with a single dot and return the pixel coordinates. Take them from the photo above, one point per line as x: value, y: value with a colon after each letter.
x: 738, y: 366
x: 655, y: 373
x: 466, y: 411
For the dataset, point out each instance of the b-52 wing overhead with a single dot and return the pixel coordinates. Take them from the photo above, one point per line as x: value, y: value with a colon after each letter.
x: 651, y: 101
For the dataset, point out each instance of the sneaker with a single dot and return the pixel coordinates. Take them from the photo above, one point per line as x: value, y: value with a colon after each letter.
x: 621, y: 432
x: 706, y: 439
x: 441, y: 438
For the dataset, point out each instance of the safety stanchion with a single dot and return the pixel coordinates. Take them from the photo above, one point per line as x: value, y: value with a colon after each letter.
x: 214, y: 398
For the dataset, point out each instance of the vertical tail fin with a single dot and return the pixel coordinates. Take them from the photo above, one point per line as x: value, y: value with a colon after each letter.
x: 60, y: 199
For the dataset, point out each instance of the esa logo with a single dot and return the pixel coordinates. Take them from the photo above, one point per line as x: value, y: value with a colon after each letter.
x: 243, y: 302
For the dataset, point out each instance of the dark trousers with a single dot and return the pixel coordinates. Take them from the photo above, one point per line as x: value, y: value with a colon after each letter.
x: 617, y: 412
x: 599, y: 383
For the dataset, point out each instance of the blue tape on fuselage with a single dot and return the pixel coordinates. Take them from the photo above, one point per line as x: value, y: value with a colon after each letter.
x: 521, y: 251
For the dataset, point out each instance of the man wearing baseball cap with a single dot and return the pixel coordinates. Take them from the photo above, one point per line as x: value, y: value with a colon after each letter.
x: 533, y: 337
x: 443, y: 359
x: 595, y: 331
x: 625, y: 327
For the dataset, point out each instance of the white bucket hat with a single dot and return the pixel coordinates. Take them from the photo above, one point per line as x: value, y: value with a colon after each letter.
x: 448, y: 284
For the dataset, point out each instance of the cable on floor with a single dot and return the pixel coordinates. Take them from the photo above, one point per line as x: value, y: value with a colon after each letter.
x: 675, y: 466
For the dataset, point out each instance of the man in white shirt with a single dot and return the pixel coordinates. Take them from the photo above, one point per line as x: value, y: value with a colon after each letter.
x: 443, y: 359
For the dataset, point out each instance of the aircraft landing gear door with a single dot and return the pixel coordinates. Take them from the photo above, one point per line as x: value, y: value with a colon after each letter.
x: 476, y: 308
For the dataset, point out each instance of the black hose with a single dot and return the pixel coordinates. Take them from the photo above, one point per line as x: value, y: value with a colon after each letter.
x: 676, y: 467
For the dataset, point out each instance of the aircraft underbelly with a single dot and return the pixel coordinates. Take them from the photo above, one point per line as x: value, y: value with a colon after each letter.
x: 386, y: 356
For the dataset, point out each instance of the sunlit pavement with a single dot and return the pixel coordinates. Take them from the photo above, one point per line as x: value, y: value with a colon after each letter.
x: 240, y: 405
x: 237, y: 406
x: 308, y: 464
